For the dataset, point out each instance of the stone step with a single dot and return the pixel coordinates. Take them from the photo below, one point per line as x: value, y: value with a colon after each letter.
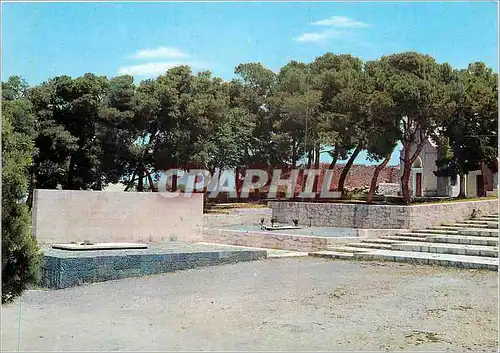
x: 444, y: 248
x: 483, y: 232
x: 370, y: 245
x: 480, y: 232
x: 404, y: 238
x: 413, y: 234
x: 463, y: 239
x: 486, y: 218
x: 461, y: 261
x: 381, y: 241
x: 434, y: 231
x: 466, y: 227
x: 458, y: 226
x: 451, y: 227
x: 332, y: 254
x: 487, y: 224
x: 346, y: 249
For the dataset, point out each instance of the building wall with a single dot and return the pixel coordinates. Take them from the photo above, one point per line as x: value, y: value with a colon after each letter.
x: 63, y: 216
x: 471, y: 183
x: 429, y: 179
x: 378, y: 216
x: 431, y: 186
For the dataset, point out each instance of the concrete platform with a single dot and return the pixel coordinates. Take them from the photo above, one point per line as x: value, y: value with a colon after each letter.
x: 67, y: 268
x: 99, y: 246
x: 280, y: 227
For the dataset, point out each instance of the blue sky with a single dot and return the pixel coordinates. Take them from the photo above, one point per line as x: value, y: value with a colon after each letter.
x: 43, y: 40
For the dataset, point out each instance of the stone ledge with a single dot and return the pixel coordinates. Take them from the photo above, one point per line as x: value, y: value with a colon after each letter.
x: 63, y: 270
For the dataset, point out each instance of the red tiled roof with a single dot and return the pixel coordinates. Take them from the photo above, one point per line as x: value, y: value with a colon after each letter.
x: 359, y: 176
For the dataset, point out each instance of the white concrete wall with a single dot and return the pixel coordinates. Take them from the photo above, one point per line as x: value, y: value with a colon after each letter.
x: 429, y: 182
x: 97, y: 216
x: 471, y: 183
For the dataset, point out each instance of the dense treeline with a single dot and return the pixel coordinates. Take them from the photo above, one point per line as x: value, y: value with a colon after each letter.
x: 90, y: 131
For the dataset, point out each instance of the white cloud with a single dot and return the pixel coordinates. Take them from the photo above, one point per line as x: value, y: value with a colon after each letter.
x: 318, y: 36
x: 160, y: 52
x: 340, y: 21
x: 153, y: 68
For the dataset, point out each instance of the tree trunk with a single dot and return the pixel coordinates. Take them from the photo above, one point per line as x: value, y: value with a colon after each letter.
x: 70, y: 178
x: 373, y: 185
x: 31, y: 189
x: 335, y: 158
x: 150, y: 179
x: 130, y: 182
x: 462, y: 193
x: 309, y: 158
x: 347, y: 167
x: 316, y: 166
x: 140, y: 184
x: 487, y: 182
x: 294, y: 154
x: 316, y: 156
x: 309, y: 163
x: 405, y: 177
x: 407, y: 165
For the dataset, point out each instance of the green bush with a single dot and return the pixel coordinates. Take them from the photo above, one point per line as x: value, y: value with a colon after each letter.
x: 21, y: 257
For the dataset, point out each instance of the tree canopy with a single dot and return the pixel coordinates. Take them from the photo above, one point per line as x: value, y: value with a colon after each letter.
x: 87, y: 132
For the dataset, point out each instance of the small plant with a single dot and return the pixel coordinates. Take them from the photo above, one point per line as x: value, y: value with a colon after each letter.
x: 173, y: 237
x: 87, y: 242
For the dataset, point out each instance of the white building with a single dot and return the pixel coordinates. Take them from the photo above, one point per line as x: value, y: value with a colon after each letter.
x: 423, y: 181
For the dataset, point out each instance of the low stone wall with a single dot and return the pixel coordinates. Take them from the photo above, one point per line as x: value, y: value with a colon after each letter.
x: 379, y: 216
x: 237, y: 217
x: 272, y: 240
x: 63, y: 269
x: 388, y: 189
x: 63, y: 216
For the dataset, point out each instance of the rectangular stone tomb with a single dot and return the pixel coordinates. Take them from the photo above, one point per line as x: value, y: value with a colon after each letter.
x: 63, y: 268
x: 280, y: 227
x: 99, y: 246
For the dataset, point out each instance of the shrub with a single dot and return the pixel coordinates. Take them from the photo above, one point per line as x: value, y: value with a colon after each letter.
x: 21, y: 258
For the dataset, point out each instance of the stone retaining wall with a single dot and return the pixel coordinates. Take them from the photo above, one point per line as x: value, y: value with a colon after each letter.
x: 63, y: 216
x: 379, y: 216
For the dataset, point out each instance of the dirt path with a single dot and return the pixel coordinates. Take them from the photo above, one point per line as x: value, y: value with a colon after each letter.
x: 278, y: 304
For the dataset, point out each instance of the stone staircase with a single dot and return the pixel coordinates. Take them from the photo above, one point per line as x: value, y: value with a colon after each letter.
x: 466, y: 244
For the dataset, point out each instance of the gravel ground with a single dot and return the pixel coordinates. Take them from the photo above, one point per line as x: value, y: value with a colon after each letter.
x: 279, y: 304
